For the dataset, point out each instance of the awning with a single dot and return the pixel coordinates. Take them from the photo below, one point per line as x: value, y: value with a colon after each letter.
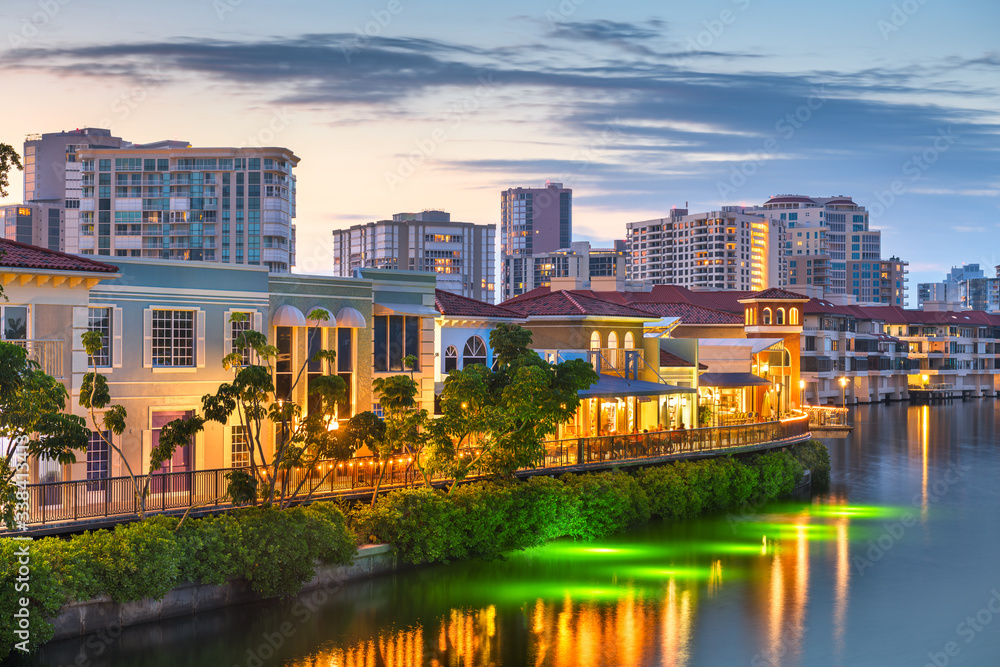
x: 739, y: 345
x: 731, y: 380
x: 351, y: 318
x: 404, y: 309
x: 288, y: 316
x: 610, y: 386
x: 321, y: 322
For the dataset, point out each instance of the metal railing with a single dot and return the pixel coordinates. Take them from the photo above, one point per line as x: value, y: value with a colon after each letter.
x: 825, y: 415
x: 48, y: 354
x: 75, y: 501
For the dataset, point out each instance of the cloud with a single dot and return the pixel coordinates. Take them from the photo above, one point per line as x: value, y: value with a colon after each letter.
x: 968, y: 229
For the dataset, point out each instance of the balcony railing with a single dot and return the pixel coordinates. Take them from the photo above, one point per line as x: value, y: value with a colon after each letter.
x: 74, y: 501
x: 48, y: 354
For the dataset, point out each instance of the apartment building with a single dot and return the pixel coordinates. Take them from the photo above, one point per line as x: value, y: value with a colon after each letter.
x: 532, y: 221
x: 579, y: 266
x: 461, y: 254
x: 731, y: 249
x: 965, y: 287
x: 166, y: 200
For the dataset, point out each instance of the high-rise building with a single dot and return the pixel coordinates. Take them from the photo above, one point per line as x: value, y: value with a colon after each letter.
x: 731, y: 249
x: 533, y: 221
x: 462, y: 254
x: 166, y: 200
x: 830, y: 245
x: 964, y: 287
x: 34, y: 223
x: 892, y: 282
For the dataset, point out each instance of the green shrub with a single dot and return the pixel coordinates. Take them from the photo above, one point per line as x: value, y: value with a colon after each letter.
x: 814, y: 456
x: 778, y: 474
x: 416, y: 522
x: 609, y: 502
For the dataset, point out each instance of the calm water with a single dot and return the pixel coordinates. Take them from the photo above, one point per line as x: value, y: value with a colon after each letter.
x: 898, y: 565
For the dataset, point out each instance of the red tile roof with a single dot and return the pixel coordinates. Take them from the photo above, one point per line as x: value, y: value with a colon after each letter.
x: 24, y: 256
x: 671, y: 360
x: 569, y: 303
x: 778, y: 293
x: 449, y: 303
x: 689, y: 313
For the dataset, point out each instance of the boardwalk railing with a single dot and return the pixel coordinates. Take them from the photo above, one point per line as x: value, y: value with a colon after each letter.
x: 69, y: 502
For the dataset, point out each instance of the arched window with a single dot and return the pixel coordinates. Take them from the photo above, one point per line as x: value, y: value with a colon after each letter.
x: 450, y: 359
x: 793, y: 316
x: 629, y: 341
x: 613, y: 340
x: 595, y: 341
x: 780, y: 319
x: 474, y: 352
x: 747, y: 316
x: 766, y: 319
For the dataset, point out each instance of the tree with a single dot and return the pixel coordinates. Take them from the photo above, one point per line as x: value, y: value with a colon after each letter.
x: 495, y: 421
x: 404, y: 424
x: 31, y: 415
x: 8, y: 159
x: 303, y: 437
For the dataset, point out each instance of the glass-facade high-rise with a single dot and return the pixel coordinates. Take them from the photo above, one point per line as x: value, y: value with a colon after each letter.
x: 533, y: 221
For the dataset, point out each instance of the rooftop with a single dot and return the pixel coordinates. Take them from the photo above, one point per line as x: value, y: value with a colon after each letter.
x: 24, y: 256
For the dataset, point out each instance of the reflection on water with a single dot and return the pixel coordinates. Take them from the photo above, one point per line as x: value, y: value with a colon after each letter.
x: 779, y: 587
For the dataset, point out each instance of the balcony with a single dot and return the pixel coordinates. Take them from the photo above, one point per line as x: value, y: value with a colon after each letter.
x: 48, y: 354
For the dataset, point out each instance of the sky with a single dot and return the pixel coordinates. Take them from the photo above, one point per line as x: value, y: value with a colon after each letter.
x: 405, y: 105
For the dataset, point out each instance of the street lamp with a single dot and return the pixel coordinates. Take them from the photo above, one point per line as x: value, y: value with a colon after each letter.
x: 802, y: 393
x: 843, y: 391
x: 925, y: 378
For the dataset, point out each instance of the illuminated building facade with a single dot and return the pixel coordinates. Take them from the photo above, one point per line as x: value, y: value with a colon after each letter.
x: 729, y: 249
x: 532, y: 221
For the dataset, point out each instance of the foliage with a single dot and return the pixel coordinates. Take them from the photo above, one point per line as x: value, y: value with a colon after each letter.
x: 485, y: 519
x: 814, y: 456
x: 275, y: 551
x: 31, y: 411
x: 8, y: 159
x: 495, y: 420
x: 403, y: 426
x: 704, y: 415
x: 302, y: 437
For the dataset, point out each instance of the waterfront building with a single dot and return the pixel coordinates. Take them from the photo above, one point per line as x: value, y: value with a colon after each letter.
x: 733, y: 248
x: 462, y: 333
x: 532, y: 221
x: 461, y: 254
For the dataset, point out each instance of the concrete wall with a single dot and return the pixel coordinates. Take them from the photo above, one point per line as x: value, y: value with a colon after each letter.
x: 80, y: 618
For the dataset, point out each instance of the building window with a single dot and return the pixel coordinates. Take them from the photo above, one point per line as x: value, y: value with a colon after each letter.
x: 766, y: 318
x: 612, y: 340
x: 474, y: 352
x: 173, y: 338
x: 396, y: 336
x: 283, y: 364
x: 793, y: 316
x: 240, y: 447
x: 595, y: 341
x: 780, y: 316
x: 629, y: 341
x: 450, y: 359
x: 15, y: 322
x: 98, y: 458
x: 99, y: 319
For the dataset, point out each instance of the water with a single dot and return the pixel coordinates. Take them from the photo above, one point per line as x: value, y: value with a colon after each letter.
x: 899, y: 564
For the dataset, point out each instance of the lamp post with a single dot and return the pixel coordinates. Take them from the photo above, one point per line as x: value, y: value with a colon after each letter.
x: 843, y: 392
x: 802, y: 393
x: 926, y: 378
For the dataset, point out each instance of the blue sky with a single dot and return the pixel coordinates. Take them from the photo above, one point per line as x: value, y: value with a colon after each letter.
x: 400, y: 105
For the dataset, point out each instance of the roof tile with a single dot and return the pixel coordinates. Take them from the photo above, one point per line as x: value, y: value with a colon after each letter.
x: 24, y: 256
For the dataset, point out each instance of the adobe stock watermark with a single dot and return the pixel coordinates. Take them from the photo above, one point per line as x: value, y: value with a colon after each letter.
x: 898, y: 17
x: 123, y: 105
x: 363, y: 35
x: 426, y: 147
x: 303, y: 610
x: 915, y: 167
x: 565, y: 10
x: 22, y: 580
x: 30, y: 26
x: 968, y: 629
x: 714, y: 28
x: 587, y: 154
x: 785, y: 128
x: 278, y: 122
x: 893, y: 532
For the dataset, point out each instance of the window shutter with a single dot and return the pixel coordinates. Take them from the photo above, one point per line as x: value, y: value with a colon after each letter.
x: 116, y: 338
x: 227, y: 443
x: 200, y: 350
x: 258, y: 321
x: 227, y: 333
x: 147, y: 338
